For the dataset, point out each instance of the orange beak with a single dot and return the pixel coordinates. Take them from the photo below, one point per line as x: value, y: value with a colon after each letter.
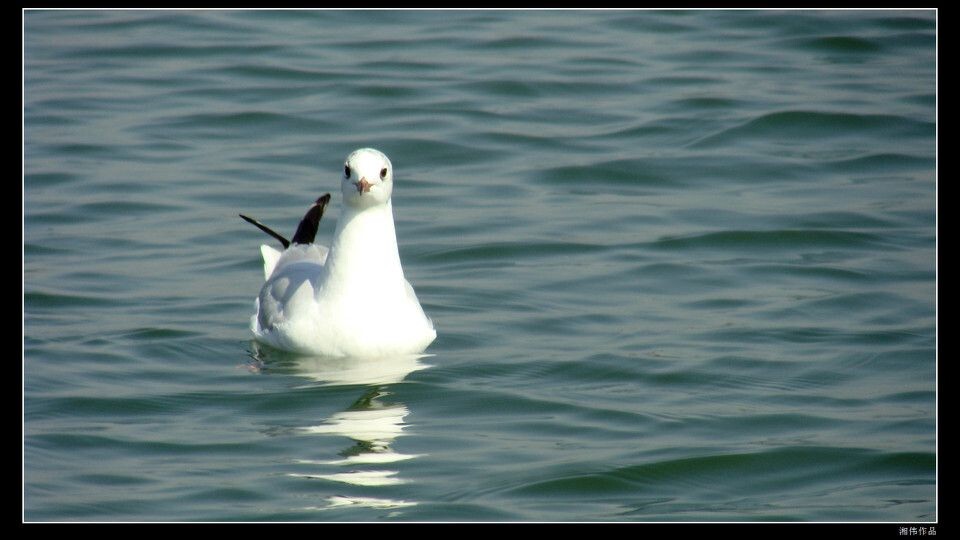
x: 363, y: 185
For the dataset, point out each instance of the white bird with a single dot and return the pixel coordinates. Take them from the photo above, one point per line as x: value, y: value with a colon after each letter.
x: 351, y: 299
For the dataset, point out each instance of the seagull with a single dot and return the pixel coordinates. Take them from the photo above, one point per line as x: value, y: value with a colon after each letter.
x: 351, y: 299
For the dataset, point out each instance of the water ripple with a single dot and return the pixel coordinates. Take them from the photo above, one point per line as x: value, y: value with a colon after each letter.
x: 800, y: 125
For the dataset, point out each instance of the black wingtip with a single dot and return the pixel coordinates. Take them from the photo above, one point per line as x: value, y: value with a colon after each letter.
x: 268, y: 230
x: 307, y: 230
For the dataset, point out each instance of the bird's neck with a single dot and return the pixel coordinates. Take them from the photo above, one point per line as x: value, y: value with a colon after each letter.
x: 365, y: 244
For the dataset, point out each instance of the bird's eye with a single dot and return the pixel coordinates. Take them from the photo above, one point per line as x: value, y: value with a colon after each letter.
x: 383, y: 173
x: 346, y: 171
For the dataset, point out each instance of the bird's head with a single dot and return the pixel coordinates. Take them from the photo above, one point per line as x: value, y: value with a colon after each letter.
x: 367, y: 178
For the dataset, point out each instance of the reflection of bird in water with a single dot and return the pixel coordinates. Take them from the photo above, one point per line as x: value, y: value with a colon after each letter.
x: 361, y: 411
x: 373, y: 426
x: 371, y: 423
x: 329, y: 371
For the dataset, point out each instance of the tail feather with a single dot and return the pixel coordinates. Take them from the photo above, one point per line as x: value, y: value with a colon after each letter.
x: 307, y: 230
